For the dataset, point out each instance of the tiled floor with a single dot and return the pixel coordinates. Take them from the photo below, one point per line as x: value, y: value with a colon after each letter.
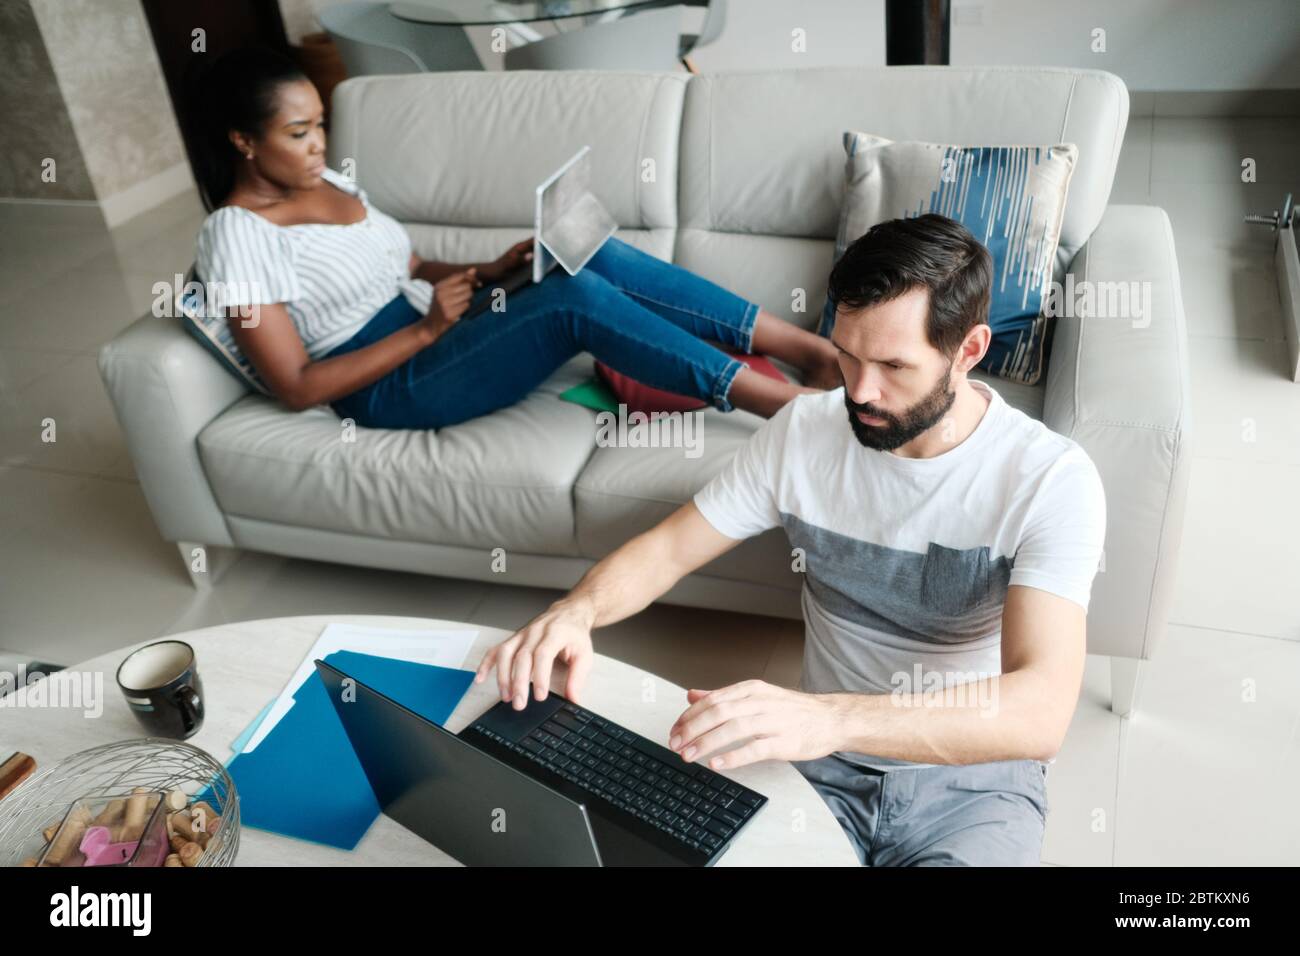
x: 1206, y: 772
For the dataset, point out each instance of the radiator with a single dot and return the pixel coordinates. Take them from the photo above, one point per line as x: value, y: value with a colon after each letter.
x: 1287, y: 261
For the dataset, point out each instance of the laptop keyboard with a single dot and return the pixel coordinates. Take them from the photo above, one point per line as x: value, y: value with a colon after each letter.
x: 699, y: 809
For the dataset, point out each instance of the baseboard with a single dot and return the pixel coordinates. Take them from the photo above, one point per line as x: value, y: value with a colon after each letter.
x: 146, y: 194
x: 61, y: 212
x: 1232, y: 103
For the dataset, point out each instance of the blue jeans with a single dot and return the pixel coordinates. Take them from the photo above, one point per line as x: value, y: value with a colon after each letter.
x: 643, y: 317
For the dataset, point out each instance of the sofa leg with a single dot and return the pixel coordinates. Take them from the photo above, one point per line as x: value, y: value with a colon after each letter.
x: 205, y: 563
x: 1126, y: 675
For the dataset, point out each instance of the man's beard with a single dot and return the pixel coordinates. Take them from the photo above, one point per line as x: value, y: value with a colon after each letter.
x: 898, y: 430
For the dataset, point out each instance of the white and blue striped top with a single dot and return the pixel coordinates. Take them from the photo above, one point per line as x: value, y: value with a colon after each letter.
x: 331, y: 278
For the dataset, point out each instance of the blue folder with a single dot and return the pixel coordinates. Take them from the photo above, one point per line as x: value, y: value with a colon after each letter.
x: 242, y: 740
x: 303, y: 780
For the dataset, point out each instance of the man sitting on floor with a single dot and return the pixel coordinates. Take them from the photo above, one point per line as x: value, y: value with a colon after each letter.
x: 950, y: 543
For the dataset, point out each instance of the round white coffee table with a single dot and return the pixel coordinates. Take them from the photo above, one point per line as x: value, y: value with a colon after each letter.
x: 245, y: 665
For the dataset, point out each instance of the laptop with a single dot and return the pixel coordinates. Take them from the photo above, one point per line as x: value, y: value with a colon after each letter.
x: 569, y: 227
x: 551, y: 785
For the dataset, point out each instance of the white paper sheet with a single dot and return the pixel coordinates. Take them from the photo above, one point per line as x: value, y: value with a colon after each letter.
x: 444, y: 648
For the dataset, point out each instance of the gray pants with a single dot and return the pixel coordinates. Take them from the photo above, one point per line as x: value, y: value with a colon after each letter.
x: 986, y: 814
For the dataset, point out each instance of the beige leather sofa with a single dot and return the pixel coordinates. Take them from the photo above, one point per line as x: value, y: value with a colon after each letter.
x: 738, y: 177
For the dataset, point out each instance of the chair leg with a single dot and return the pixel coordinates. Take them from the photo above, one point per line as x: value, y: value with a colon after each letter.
x: 1126, y: 675
x: 205, y: 563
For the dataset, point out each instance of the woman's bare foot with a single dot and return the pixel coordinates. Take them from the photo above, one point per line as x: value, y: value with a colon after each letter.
x: 826, y: 376
x: 813, y: 355
x: 761, y: 395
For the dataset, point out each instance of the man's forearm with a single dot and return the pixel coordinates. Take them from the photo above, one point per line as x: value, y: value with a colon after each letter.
x: 999, y: 718
x: 625, y: 582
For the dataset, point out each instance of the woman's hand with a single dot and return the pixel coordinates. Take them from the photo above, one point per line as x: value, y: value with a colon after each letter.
x: 513, y: 258
x: 450, y: 300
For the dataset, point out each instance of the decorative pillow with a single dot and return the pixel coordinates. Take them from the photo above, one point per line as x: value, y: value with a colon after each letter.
x: 1011, y: 198
x: 643, y: 398
x: 204, y: 324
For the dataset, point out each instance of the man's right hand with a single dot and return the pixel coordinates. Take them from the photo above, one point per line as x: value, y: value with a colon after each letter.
x: 450, y: 300
x: 619, y: 585
x: 563, y: 631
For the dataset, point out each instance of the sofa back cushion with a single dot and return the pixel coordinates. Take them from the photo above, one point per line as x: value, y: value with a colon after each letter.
x: 457, y: 157
x: 738, y: 176
x: 204, y: 322
x: 762, y: 167
x: 1011, y: 198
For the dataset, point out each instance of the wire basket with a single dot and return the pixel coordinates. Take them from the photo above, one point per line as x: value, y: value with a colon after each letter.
x: 110, y: 772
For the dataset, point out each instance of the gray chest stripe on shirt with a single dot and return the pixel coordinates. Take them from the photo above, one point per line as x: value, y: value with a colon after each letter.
x: 944, y: 596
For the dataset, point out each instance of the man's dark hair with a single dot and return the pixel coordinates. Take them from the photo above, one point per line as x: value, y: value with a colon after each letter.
x: 931, y: 252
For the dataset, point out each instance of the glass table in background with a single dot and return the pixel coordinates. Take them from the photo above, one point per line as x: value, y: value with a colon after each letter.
x: 488, y: 12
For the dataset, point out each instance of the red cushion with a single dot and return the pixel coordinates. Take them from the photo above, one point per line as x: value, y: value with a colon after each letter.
x: 643, y: 398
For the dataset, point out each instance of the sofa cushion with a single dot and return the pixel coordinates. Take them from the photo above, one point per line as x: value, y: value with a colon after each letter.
x: 786, y: 275
x: 624, y: 491
x: 205, y: 326
x: 501, y: 481
x: 762, y: 157
x: 647, y: 400
x: 468, y: 149
x: 1011, y: 198
x: 1028, y: 398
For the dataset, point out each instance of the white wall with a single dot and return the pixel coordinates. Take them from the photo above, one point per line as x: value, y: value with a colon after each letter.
x: 113, y: 90
x: 759, y: 33
x: 1173, y: 45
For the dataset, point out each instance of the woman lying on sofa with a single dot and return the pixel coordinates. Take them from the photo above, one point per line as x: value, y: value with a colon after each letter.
x: 348, y: 316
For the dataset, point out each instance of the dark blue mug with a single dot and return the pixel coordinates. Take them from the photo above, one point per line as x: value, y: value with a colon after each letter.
x: 162, y: 687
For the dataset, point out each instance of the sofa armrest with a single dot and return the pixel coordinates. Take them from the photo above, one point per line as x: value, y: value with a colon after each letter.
x: 165, y: 388
x: 1119, y: 386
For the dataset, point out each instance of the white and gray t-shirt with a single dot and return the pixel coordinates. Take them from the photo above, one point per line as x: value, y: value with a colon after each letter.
x: 908, y: 560
x: 331, y: 278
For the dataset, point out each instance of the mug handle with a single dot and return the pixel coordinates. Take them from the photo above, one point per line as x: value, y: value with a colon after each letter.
x: 188, y: 701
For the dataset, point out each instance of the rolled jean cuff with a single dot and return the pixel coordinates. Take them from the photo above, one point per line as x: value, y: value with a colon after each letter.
x: 722, y: 384
x: 747, y: 328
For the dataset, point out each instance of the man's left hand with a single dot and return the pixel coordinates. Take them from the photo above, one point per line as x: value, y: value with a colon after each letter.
x: 779, y: 724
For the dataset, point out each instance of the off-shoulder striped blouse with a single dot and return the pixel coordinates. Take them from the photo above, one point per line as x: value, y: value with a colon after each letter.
x: 331, y: 278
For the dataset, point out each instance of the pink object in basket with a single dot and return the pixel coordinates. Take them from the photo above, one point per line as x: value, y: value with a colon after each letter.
x: 100, y: 850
